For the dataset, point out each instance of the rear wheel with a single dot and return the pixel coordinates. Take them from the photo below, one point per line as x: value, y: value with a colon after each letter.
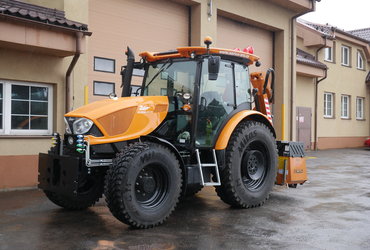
x: 250, y: 171
x: 143, y: 185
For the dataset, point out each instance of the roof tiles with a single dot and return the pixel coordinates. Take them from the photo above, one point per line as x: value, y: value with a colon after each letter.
x: 308, y: 59
x: 39, y: 14
x: 362, y: 33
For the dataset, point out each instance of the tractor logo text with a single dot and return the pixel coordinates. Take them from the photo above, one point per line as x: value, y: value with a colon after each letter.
x: 144, y: 109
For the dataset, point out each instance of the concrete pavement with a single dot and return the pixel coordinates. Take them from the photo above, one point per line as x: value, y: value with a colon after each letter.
x: 331, y: 211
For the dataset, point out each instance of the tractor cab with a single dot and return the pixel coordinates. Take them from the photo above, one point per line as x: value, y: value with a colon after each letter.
x: 205, y: 88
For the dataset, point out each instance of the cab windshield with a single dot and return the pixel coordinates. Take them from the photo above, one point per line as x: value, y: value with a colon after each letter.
x: 170, y: 78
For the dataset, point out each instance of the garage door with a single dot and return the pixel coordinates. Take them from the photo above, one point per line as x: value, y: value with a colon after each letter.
x: 143, y: 25
x: 233, y: 34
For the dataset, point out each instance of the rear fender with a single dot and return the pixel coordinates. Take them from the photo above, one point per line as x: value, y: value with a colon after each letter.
x: 227, y: 130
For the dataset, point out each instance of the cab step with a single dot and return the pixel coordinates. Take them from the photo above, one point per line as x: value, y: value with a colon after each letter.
x: 207, y: 170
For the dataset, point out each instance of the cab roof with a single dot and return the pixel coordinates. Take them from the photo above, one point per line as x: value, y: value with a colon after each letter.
x: 185, y: 52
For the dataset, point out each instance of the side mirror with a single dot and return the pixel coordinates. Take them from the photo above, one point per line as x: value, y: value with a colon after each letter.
x: 213, y: 67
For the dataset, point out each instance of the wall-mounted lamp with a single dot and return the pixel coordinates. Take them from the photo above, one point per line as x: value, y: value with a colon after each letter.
x: 210, y: 7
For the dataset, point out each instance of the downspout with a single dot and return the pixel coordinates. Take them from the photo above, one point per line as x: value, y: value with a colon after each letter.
x: 293, y: 60
x: 69, y: 94
x: 317, y: 81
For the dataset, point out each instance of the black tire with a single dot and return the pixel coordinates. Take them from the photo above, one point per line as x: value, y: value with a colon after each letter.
x: 250, y: 170
x: 143, y: 185
x: 88, y: 194
x: 192, y: 190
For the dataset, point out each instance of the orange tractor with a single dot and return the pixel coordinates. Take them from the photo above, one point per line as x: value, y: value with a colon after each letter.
x: 199, y: 119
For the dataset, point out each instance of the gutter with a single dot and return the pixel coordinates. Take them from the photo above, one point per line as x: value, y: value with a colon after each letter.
x: 317, y: 81
x: 69, y: 94
x: 293, y: 61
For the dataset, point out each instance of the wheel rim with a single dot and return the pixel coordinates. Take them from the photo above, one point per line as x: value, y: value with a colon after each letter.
x: 151, y: 186
x: 85, y: 186
x: 254, y: 166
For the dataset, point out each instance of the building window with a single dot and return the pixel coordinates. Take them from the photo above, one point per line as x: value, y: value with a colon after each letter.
x: 329, y: 54
x: 328, y: 105
x: 360, y: 60
x: 104, y: 65
x: 345, y: 56
x: 360, y: 108
x: 345, y: 100
x: 103, y: 88
x: 138, y: 72
x: 1, y: 107
x: 25, y: 108
x: 135, y: 90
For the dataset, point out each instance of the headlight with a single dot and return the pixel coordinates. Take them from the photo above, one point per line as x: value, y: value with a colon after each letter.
x: 68, y: 128
x: 81, y: 126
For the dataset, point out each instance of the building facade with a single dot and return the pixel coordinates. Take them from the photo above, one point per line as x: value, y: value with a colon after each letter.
x: 159, y: 25
x: 342, y: 93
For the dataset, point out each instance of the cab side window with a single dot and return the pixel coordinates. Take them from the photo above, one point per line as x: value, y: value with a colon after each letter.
x: 215, y: 103
x: 242, y: 84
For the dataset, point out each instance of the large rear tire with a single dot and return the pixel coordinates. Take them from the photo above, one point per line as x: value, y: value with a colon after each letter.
x: 250, y: 170
x: 143, y: 185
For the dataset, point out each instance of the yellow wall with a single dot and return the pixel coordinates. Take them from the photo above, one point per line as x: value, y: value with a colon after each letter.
x: 344, y: 80
x: 18, y: 154
x: 305, y: 97
x: 73, y: 10
x: 34, y: 67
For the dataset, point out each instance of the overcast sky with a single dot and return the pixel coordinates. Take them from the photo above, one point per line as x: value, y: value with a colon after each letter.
x: 343, y: 14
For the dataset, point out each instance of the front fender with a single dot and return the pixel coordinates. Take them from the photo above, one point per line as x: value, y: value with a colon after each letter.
x: 227, y: 130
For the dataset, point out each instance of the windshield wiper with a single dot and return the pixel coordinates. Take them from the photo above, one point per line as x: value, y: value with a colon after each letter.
x: 160, y: 71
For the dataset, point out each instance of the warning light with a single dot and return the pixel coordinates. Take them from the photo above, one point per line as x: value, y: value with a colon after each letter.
x: 249, y: 50
x: 208, y: 41
x: 186, y: 107
x: 236, y: 49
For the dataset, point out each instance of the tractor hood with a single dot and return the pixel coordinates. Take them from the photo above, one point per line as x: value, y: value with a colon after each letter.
x: 123, y: 118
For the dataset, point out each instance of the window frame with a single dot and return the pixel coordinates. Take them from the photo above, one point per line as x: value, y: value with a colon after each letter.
x: 362, y: 108
x: 2, y: 108
x: 326, y: 57
x: 348, y: 49
x: 326, y: 115
x: 360, y: 60
x: 108, y: 59
x: 112, y: 83
x: 7, y: 113
x: 345, y: 106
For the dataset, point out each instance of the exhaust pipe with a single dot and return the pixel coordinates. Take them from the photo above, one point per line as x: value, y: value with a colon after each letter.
x: 127, y: 73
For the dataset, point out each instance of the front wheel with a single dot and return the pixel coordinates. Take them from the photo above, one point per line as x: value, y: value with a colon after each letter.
x: 143, y: 185
x: 250, y: 171
x: 89, y: 192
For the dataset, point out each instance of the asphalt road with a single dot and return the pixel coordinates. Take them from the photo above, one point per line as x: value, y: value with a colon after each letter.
x: 331, y: 211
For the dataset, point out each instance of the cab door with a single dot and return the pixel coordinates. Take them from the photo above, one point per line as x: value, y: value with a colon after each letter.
x: 216, y: 102
x: 218, y: 99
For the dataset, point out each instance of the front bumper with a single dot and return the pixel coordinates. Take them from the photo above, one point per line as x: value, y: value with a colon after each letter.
x: 59, y: 173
